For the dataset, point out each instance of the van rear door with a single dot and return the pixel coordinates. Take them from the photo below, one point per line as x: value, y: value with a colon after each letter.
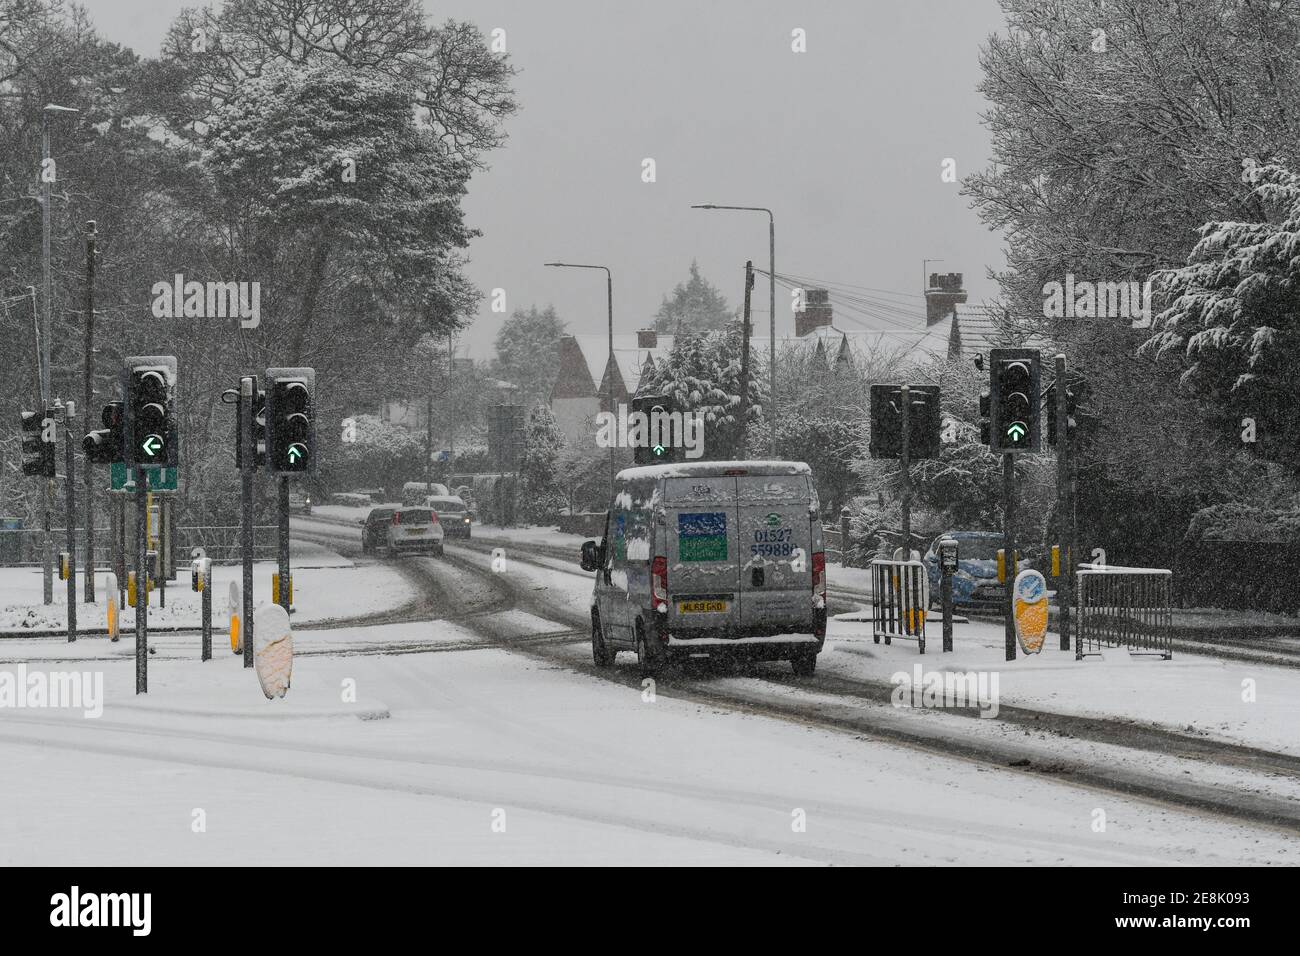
x: 776, y: 542
x: 703, y: 550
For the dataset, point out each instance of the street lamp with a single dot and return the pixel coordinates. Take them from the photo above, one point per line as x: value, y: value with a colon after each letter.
x: 51, y: 109
x: 771, y: 301
x: 609, y: 377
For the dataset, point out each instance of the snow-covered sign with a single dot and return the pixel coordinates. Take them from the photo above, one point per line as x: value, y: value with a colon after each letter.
x: 1029, y: 607
x: 272, y: 650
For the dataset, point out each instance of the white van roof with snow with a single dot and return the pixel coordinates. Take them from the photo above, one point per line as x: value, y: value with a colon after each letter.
x: 713, y: 469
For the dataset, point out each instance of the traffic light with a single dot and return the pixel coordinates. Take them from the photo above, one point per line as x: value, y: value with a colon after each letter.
x: 103, y: 446
x: 38, y: 443
x: 924, y: 426
x: 150, y: 426
x: 1049, y: 406
x: 259, y: 430
x: 659, y: 447
x: 290, y: 426
x: 986, y: 411
x: 1014, y: 403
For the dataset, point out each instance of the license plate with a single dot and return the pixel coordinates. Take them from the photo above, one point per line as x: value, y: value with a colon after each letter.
x: 702, y: 607
x: 414, y: 531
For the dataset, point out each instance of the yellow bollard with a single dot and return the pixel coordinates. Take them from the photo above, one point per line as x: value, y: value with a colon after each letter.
x: 275, y: 587
x: 1056, y: 560
x: 234, y: 634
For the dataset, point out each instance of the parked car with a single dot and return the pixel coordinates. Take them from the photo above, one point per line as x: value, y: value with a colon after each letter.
x: 975, y: 582
x: 415, y: 529
x: 414, y: 492
x: 351, y: 499
x: 453, y: 514
x: 710, y: 559
x: 299, y: 502
x: 374, y: 531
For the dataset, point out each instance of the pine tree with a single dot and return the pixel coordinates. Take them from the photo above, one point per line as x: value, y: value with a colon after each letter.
x: 540, y: 498
x: 695, y: 306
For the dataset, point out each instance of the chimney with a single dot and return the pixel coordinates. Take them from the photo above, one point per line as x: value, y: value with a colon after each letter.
x: 942, y: 296
x: 816, y: 312
x: 647, y: 339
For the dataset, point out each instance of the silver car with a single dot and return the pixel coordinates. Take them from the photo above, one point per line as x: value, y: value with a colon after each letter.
x: 710, y: 559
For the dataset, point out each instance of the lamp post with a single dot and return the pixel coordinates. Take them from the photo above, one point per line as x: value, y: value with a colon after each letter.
x: 609, y: 365
x: 771, y: 301
x: 47, y: 280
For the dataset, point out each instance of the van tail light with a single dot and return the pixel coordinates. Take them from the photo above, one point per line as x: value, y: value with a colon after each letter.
x: 659, y: 584
x: 433, y: 517
x: 819, y: 574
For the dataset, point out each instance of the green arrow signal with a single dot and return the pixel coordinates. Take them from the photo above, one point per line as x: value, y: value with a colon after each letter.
x: 296, y: 451
x: 151, y: 445
x: 659, y: 451
x: 1016, y: 431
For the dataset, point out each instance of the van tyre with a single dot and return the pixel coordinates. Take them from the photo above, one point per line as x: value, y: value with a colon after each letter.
x: 601, y: 653
x: 649, y: 662
x: 804, y: 665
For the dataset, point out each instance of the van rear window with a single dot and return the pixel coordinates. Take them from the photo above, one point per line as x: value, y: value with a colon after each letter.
x: 702, y: 536
x: 414, y: 516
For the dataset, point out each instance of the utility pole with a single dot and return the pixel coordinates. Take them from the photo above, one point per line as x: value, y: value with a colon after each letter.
x: 89, y: 394
x: 744, y: 361
x: 451, y: 415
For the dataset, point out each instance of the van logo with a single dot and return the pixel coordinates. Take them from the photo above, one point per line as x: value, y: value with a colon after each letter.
x: 773, y: 520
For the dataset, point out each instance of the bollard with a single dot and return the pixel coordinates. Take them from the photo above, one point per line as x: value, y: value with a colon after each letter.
x: 201, y: 581
x: 948, y: 551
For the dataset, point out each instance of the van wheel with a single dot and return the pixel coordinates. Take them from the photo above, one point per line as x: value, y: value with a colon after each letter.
x: 650, y: 666
x: 804, y: 665
x: 601, y: 653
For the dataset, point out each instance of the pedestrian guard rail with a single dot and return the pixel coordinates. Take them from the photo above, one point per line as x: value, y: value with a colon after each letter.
x: 1119, y: 607
x: 900, y: 597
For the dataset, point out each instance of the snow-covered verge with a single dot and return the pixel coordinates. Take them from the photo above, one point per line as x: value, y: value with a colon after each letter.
x: 488, y: 757
x: 325, y: 586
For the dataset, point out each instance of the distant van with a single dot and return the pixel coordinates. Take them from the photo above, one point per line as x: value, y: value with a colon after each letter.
x: 414, y: 492
x: 710, y: 559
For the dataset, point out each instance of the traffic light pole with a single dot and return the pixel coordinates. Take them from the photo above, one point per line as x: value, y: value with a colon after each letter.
x: 141, y: 582
x: 905, y: 462
x: 69, y: 464
x: 284, y: 543
x: 47, y: 581
x: 1064, y: 502
x: 247, y: 389
x: 89, y: 393
x: 1009, y: 548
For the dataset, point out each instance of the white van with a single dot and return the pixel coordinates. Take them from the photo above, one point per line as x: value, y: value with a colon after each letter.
x: 710, y: 559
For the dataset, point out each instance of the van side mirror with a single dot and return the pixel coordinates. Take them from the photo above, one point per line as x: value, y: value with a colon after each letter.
x: 591, y: 557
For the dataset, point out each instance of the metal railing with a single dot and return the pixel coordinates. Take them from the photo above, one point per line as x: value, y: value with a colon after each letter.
x: 23, y: 547
x: 1121, y: 607
x: 899, y: 600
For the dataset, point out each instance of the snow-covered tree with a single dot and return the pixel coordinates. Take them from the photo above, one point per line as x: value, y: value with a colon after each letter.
x: 1232, y: 320
x: 381, y: 454
x: 702, y: 374
x: 528, y: 350
x: 695, y: 306
x: 539, y: 494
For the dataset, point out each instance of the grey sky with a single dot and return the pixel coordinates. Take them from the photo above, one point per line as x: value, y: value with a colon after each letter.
x: 843, y: 142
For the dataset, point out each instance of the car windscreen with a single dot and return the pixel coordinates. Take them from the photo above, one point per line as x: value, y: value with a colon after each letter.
x: 380, y: 514
x: 414, y: 516
x: 979, y: 549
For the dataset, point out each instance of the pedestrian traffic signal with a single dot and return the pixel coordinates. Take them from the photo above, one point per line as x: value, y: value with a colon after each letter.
x: 1014, y: 402
x: 290, y: 426
x: 924, y: 423
x: 659, y: 446
x: 103, y: 446
x: 38, y: 443
x: 986, y: 412
x: 150, y: 426
x: 259, y: 429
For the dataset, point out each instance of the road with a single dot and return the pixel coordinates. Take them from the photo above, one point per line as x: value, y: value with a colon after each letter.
x: 488, y: 737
